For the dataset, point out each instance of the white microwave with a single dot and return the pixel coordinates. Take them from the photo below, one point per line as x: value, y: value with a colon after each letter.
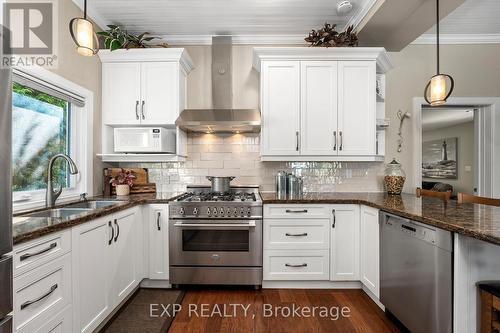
x: 144, y: 140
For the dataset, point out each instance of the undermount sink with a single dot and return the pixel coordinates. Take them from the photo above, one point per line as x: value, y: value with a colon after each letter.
x: 93, y: 204
x: 60, y: 212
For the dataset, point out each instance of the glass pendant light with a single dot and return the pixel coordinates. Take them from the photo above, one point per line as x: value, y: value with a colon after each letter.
x: 83, y: 34
x: 440, y: 86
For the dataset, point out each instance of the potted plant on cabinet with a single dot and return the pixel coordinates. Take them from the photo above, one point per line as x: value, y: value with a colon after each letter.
x: 123, y: 181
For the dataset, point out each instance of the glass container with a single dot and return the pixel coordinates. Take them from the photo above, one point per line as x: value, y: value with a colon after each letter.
x: 394, y: 177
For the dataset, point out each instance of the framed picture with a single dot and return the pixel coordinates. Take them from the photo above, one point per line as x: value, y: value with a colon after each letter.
x: 439, y: 159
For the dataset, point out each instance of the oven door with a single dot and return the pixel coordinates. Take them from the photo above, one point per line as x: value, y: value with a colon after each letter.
x: 215, y: 242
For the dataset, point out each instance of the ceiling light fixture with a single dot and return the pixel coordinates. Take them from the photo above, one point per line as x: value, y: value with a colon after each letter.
x: 344, y: 7
x: 83, y: 34
x: 437, y: 92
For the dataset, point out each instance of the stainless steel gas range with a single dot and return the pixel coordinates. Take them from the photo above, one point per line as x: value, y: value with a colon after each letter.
x: 216, y: 238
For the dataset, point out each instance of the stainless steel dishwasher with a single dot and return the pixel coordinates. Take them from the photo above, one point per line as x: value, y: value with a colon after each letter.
x: 416, y: 280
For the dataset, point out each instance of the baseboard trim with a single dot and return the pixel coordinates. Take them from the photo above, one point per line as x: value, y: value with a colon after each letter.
x: 155, y: 284
x: 374, y: 298
x: 311, y: 285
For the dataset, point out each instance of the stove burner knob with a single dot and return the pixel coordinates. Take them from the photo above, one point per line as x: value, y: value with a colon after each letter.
x: 195, y: 211
x: 228, y: 212
x: 221, y: 212
x: 181, y: 211
x: 208, y: 211
x: 249, y: 212
x: 235, y: 212
x: 242, y: 212
x: 215, y: 212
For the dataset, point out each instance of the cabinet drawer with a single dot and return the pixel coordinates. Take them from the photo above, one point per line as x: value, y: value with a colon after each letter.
x: 42, y: 293
x: 40, y: 251
x: 293, y: 234
x: 296, y: 211
x: 296, y: 265
x: 60, y: 323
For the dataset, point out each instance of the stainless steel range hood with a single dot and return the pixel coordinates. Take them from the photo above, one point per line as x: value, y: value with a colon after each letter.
x: 222, y: 117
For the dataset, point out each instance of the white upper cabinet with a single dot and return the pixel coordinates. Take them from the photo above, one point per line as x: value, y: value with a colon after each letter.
x: 320, y: 104
x: 319, y: 107
x: 281, y: 108
x: 121, y: 85
x: 143, y: 86
x: 357, y: 108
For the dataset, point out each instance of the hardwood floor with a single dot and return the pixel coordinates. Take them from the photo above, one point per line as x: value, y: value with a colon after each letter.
x: 215, y: 311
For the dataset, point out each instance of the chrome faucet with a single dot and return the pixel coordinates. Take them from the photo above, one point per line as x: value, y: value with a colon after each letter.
x: 51, y: 196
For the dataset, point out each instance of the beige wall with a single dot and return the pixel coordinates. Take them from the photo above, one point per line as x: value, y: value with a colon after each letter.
x: 475, y: 68
x: 465, y: 134
x: 85, y: 71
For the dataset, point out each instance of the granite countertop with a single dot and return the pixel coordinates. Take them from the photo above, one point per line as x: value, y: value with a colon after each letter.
x: 28, y: 228
x: 477, y: 221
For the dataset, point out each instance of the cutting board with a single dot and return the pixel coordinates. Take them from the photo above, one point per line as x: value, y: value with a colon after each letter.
x: 141, y: 183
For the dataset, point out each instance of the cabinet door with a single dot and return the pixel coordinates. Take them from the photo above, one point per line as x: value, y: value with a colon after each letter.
x: 124, y: 264
x: 370, y: 275
x: 121, y: 93
x: 280, y: 85
x: 318, y: 107
x: 91, y: 256
x: 158, y: 242
x: 357, y: 108
x: 159, y: 93
x: 344, y: 244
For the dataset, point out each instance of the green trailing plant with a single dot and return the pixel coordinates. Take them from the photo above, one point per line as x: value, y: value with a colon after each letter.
x: 115, y: 38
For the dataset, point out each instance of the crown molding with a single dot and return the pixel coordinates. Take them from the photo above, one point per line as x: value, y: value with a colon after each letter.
x: 356, y: 19
x: 377, y: 54
x: 236, y: 40
x: 458, y: 39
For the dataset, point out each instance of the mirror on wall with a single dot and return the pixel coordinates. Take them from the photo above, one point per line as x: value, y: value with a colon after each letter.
x: 448, y: 149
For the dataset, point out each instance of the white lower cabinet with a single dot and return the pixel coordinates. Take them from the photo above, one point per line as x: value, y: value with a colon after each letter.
x: 41, y: 293
x: 106, y: 257
x: 91, y: 256
x: 344, y: 243
x: 60, y: 323
x: 158, y: 242
x: 370, y: 273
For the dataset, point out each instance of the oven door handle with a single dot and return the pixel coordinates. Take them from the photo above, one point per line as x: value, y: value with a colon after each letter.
x: 250, y: 224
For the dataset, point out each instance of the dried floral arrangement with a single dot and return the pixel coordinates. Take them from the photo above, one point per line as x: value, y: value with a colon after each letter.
x: 328, y: 37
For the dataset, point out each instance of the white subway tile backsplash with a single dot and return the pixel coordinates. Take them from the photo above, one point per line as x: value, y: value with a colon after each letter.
x: 238, y: 155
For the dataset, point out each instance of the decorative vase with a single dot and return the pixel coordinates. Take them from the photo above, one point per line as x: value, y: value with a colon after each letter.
x: 394, y: 178
x: 123, y: 189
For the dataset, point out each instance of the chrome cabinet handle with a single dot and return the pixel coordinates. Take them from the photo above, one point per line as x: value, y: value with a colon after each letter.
x: 142, y: 110
x: 29, y: 255
x: 117, y: 230
x: 47, y: 294
x: 112, y: 233
x: 296, y: 235
x: 158, y: 221
x: 341, y: 140
x: 136, y: 110
x: 297, y: 141
x: 301, y: 265
x: 296, y: 211
x: 334, y: 218
x: 334, y: 140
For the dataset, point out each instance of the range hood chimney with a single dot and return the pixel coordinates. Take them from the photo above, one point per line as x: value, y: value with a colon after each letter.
x: 222, y: 118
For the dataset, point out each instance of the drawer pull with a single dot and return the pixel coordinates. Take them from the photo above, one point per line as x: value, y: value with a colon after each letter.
x: 296, y: 235
x: 47, y: 294
x: 296, y: 211
x: 158, y: 221
x: 301, y: 265
x: 112, y: 233
x: 117, y: 230
x: 29, y: 255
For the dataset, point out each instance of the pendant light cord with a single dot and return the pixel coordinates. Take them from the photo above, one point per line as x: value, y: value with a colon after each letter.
x: 85, y: 9
x: 437, y: 34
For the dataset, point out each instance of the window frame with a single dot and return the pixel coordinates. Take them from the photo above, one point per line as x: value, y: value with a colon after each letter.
x: 81, y: 143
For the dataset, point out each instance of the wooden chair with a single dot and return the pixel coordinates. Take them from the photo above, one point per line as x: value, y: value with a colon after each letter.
x: 490, y: 306
x: 445, y: 196
x: 467, y: 198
